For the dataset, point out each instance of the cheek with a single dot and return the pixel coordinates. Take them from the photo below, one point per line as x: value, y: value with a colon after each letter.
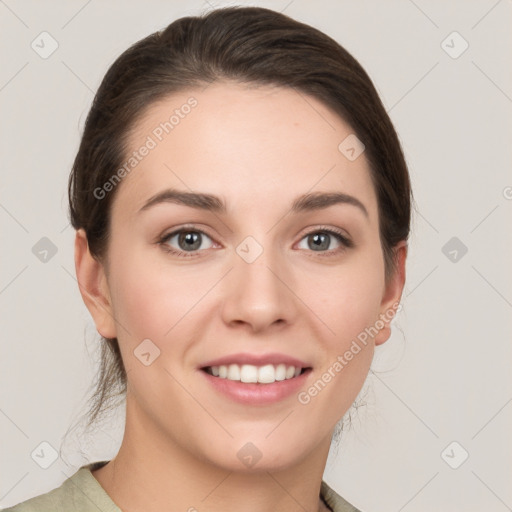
x: 157, y: 300
x: 347, y: 303
x: 146, y: 298
x: 346, y: 298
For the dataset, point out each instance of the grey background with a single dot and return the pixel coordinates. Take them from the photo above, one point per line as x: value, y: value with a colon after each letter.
x: 444, y: 375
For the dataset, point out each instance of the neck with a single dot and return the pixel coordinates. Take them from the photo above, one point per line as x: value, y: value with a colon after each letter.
x: 152, y: 472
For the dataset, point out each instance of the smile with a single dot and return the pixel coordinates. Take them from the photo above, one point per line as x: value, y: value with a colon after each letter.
x: 256, y: 385
x: 249, y: 373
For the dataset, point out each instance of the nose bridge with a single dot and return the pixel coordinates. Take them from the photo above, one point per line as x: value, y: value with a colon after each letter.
x: 256, y: 293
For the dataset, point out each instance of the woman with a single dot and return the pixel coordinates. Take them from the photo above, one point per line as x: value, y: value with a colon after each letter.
x: 242, y: 207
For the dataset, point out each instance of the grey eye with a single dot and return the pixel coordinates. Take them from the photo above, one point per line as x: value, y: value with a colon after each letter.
x: 188, y: 240
x: 320, y: 241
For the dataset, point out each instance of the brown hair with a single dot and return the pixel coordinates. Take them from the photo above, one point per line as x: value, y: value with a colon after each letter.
x: 249, y: 45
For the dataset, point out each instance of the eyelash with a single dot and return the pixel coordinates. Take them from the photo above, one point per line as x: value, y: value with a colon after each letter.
x: 345, y: 242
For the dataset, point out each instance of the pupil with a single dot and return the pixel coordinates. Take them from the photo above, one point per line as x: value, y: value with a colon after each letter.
x: 191, y: 239
x: 320, y: 240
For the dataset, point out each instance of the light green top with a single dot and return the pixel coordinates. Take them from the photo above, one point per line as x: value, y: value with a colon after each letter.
x: 83, y: 493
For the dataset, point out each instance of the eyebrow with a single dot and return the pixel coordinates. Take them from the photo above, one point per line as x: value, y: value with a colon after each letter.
x: 209, y: 202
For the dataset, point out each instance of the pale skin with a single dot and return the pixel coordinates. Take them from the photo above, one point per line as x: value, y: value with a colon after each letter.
x: 258, y: 149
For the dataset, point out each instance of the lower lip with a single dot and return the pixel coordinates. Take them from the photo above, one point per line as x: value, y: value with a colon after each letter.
x: 256, y: 393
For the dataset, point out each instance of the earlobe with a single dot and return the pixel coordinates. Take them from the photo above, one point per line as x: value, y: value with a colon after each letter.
x: 93, y: 286
x: 392, y: 294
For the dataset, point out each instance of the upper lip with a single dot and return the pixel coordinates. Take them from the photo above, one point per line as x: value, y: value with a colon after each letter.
x: 256, y: 360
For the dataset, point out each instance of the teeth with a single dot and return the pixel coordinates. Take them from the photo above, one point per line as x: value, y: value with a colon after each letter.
x: 251, y: 374
x: 233, y: 372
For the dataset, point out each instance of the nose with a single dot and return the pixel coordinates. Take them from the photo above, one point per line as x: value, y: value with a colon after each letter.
x: 258, y: 295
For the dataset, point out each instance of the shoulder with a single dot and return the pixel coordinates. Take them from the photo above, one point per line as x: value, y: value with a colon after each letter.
x: 334, y: 501
x: 81, y: 492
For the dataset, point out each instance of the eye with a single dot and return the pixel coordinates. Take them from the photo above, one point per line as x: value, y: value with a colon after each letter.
x: 322, y: 239
x: 188, y: 241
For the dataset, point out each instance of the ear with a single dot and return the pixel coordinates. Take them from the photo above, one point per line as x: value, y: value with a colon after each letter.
x: 392, y: 294
x: 93, y: 285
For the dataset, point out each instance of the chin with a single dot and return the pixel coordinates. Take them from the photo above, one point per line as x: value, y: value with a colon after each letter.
x: 255, y: 454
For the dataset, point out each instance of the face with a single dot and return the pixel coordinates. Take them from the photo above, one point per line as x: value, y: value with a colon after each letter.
x: 285, y: 261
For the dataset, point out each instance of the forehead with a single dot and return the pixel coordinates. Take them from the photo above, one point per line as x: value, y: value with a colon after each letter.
x: 254, y: 146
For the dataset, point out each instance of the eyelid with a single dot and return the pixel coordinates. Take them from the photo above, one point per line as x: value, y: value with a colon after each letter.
x: 164, y: 239
x: 186, y: 227
x: 329, y: 229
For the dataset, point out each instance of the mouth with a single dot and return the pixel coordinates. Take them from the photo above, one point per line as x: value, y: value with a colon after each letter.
x: 252, y: 374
